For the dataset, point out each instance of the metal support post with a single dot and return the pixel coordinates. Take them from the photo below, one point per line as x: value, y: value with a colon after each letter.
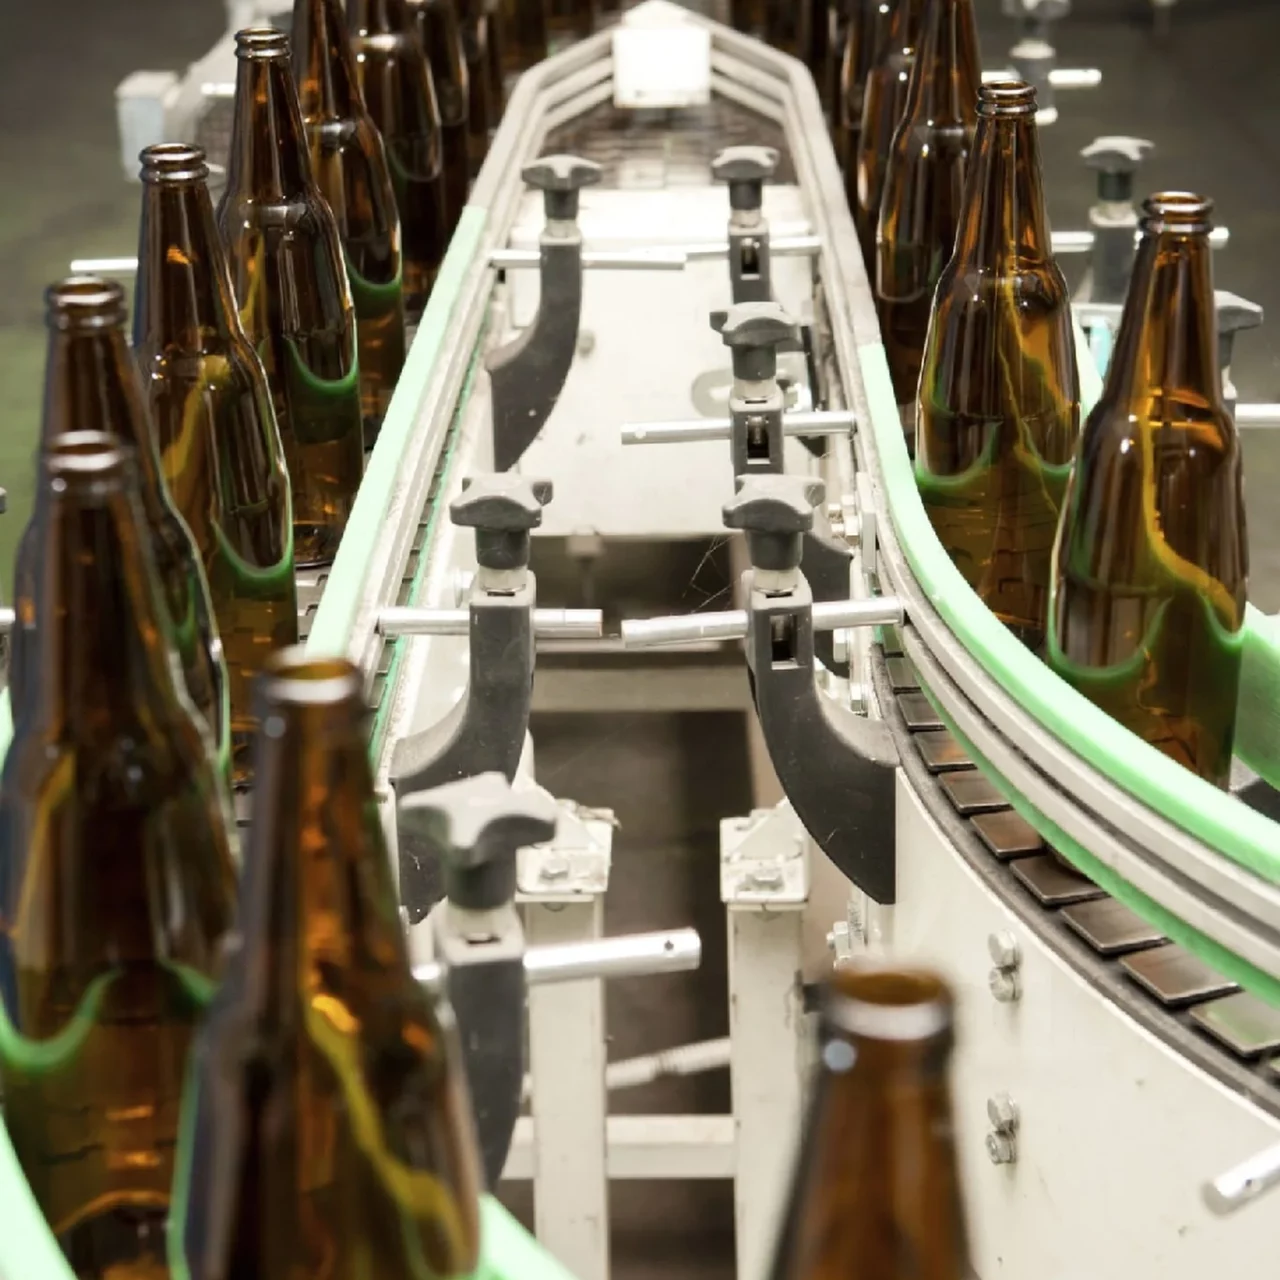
x: 562, y: 887
x: 764, y: 883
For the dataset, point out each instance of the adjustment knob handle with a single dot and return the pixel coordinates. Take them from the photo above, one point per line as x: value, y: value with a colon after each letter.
x: 1116, y: 159
x: 755, y: 324
x: 745, y: 169
x: 501, y: 507
x: 560, y: 178
x: 775, y: 511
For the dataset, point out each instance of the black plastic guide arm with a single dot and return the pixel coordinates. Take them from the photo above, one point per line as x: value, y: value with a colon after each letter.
x: 528, y: 374
x: 485, y: 730
x: 746, y: 169
x: 837, y: 768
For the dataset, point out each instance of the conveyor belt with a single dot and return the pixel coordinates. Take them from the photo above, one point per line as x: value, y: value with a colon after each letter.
x: 1174, y: 995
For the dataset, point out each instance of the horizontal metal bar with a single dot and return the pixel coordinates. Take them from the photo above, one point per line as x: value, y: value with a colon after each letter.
x: 828, y: 615
x: 1247, y: 1181
x: 779, y: 247
x: 104, y: 266
x: 1257, y: 415
x: 548, y: 624
x: 597, y: 259
x: 647, y: 1148
x: 8, y: 620
x: 633, y: 955
x: 1082, y: 241
x: 1059, y: 77
x: 823, y: 422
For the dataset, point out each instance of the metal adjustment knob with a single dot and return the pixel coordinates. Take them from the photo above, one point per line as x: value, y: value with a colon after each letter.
x: 560, y: 178
x: 501, y: 508
x: 753, y: 332
x: 775, y: 511
x: 1116, y: 160
x: 746, y: 170
x: 476, y: 825
x: 1232, y: 315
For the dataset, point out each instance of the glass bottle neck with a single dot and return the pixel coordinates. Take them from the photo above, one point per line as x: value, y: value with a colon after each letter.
x: 378, y: 17
x: 184, y: 296
x: 1167, y: 344
x: 323, y: 64
x: 903, y: 31
x: 1004, y: 218
x: 268, y: 159
x: 944, y: 77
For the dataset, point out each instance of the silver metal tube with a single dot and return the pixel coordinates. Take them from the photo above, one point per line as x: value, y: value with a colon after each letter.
x: 828, y: 615
x: 1247, y: 1181
x: 823, y: 422
x: 104, y: 266
x: 687, y: 1060
x: 631, y: 956
x: 1059, y: 77
x: 1257, y: 415
x: 548, y: 624
x: 1082, y: 241
x: 8, y: 619
x: 779, y: 247
x: 597, y: 259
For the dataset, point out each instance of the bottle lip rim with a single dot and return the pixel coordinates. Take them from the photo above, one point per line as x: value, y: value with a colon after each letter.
x: 89, y: 458
x: 1007, y: 98
x: 176, y: 162
x: 1182, y: 211
x: 292, y: 677
x: 85, y: 302
x: 262, y: 43
x: 877, y: 1003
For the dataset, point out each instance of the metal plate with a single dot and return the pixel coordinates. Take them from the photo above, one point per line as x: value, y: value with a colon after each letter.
x: 1110, y: 928
x: 1051, y: 883
x: 971, y: 793
x: 1246, y: 1025
x: 1176, y: 977
x: 891, y: 643
x: 1007, y: 834
x: 918, y: 712
x: 941, y: 752
x: 902, y: 675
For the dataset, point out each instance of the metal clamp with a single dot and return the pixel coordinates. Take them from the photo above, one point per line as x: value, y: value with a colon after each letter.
x: 746, y: 169
x: 485, y: 730
x: 1113, y: 218
x: 528, y: 374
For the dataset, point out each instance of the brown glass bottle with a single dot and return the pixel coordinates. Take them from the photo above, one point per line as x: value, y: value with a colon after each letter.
x: 924, y: 184
x: 866, y: 45
x: 811, y: 38
x: 570, y: 19
x: 441, y: 35
x: 350, y: 168
x: 877, y: 1190
x: 525, y: 33
x: 883, y: 98
x: 92, y: 383
x: 328, y: 1128
x: 1147, y: 605
x: 400, y: 93
x: 289, y: 276
x: 998, y: 413
x: 484, y: 90
x: 751, y: 17
x: 216, y: 431
x: 116, y: 874
x: 836, y: 18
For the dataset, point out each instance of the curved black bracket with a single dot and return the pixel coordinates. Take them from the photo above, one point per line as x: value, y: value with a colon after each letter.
x: 837, y: 768
x: 483, y: 733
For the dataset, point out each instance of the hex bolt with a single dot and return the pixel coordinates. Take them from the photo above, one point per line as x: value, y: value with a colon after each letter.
x: 1005, y: 980
x: 764, y: 878
x: 1001, y: 1149
x: 1002, y: 1141
x: 554, y: 867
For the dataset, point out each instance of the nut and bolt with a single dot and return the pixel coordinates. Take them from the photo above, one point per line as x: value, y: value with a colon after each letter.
x: 1002, y: 1141
x: 555, y: 866
x: 1005, y: 980
x: 763, y: 878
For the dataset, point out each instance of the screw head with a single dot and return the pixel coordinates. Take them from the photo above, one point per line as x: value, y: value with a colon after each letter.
x: 764, y: 878
x: 1002, y: 1111
x: 555, y: 866
x: 1005, y: 984
x: 1001, y: 1149
x: 1004, y: 949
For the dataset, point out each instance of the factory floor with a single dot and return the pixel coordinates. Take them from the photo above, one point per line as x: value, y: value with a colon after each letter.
x: 1207, y: 96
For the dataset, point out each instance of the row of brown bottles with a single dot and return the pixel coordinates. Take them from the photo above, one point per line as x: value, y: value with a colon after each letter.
x: 876, y: 1190
x: 310, y: 1111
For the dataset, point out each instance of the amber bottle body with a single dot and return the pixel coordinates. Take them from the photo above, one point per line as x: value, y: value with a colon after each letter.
x: 108, y: 790
x: 484, y: 78
x: 998, y: 415
x: 923, y: 198
x: 440, y: 30
x: 525, y: 34
x: 215, y: 428
x: 328, y: 1124
x: 1151, y: 564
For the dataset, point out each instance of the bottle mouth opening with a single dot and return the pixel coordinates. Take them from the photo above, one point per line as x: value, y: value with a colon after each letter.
x: 889, y: 1004
x: 173, y: 162
x: 1183, y: 211
x: 87, y: 460
x: 262, y: 43
x: 85, y: 302
x: 292, y: 678
x: 1007, y: 98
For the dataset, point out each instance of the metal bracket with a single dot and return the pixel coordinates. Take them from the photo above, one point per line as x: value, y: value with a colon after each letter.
x: 528, y: 373
x: 762, y: 860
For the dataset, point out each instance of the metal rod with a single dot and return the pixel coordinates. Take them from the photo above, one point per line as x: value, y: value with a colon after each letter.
x: 1257, y: 415
x: 1237, y: 1187
x: 823, y: 422
x: 687, y: 1060
x: 597, y: 259
x: 828, y: 615
x: 1082, y: 241
x: 779, y: 247
x: 8, y: 620
x: 548, y: 624
x: 1059, y: 77
x: 634, y: 955
x: 104, y: 266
